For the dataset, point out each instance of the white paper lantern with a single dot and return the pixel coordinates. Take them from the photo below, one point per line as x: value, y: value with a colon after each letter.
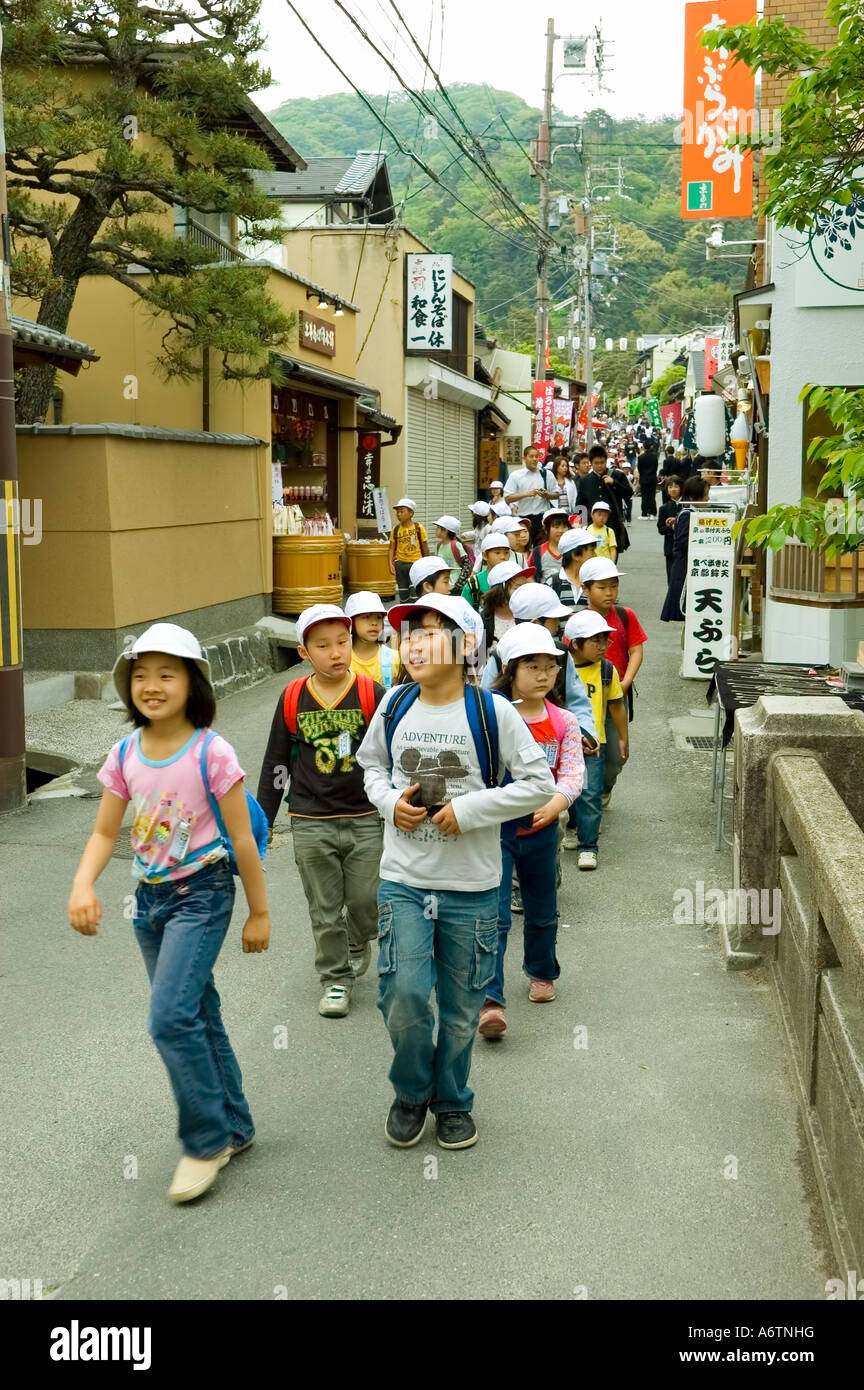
x: 622, y: 343
x: 610, y: 343
x: 710, y: 416
x: 576, y: 341
x: 592, y: 342
x: 562, y: 343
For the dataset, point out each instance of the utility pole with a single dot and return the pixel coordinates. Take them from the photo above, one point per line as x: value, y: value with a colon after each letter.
x: 589, y: 253
x: 544, y: 173
x: 13, y: 782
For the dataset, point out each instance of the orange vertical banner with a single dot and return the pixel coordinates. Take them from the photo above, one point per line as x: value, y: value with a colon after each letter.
x: 719, y: 100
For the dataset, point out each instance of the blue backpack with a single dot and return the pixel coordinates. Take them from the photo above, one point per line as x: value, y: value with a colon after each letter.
x: 260, y: 826
x: 482, y: 721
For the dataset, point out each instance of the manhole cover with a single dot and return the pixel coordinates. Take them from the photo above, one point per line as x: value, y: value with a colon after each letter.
x: 704, y: 745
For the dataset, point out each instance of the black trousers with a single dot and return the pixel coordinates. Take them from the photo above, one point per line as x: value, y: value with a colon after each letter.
x: 648, y: 493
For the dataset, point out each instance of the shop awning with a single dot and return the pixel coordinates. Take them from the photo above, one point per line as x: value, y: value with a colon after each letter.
x: 297, y: 371
x: 33, y: 343
x: 496, y: 410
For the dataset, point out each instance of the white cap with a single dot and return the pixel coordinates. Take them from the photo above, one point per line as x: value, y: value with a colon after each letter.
x: 494, y: 540
x: 425, y: 567
x: 496, y: 482
x: 600, y: 507
x: 527, y: 639
x: 600, y: 568
x: 160, y: 637
x: 501, y: 508
x: 481, y: 508
x: 575, y: 539
x: 450, y: 605
x: 503, y: 573
x: 536, y: 601
x: 319, y: 613
x: 407, y: 502
x: 364, y: 602
x: 557, y: 511
x: 585, y: 624
x: 450, y: 523
x: 505, y: 524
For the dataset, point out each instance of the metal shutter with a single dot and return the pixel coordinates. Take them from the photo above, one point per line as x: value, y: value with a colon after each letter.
x: 441, y: 464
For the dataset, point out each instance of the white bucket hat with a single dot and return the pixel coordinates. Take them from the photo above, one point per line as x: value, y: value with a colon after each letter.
x: 496, y: 482
x: 480, y: 508
x: 364, y: 602
x: 536, y: 601
x: 501, y: 508
x: 506, y: 524
x: 449, y: 604
x: 585, y: 624
x: 320, y: 613
x: 503, y: 573
x: 494, y: 540
x: 601, y: 568
x: 425, y: 567
x: 406, y: 502
x: 449, y: 523
x: 600, y: 507
x: 574, y: 540
x: 159, y: 637
x: 527, y: 639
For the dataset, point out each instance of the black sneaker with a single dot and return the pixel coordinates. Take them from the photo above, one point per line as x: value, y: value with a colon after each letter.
x: 405, y: 1124
x: 456, y: 1129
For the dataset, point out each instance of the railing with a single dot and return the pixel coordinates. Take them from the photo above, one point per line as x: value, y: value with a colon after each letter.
x: 202, y: 236
x: 802, y: 575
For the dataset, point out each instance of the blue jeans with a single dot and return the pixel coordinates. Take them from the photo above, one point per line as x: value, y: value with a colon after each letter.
x: 587, y: 810
x: 612, y: 766
x: 180, y: 927
x: 535, y: 858
x: 441, y: 939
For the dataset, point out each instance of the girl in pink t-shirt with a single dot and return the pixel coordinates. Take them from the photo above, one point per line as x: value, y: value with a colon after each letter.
x: 185, y: 893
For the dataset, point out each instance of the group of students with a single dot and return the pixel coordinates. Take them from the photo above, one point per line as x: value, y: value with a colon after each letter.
x: 421, y: 778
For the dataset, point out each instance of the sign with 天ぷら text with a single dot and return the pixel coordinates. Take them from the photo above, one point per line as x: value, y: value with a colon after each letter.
x: 710, y: 587
x: 428, y: 303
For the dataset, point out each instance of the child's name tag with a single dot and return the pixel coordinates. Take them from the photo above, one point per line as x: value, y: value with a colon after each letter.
x: 343, y: 747
x: 551, y: 751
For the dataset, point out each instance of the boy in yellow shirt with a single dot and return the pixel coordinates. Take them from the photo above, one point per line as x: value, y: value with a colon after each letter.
x: 588, y: 634
x: 607, y: 541
x: 369, y: 655
x: 407, y: 543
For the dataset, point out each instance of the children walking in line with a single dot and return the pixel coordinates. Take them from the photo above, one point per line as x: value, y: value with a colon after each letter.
x: 434, y: 758
x: 547, y: 557
x: 369, y: 655
x: 494, y: 550
x: 588, y: 634
x: 607, y: 542
x: 530, y: 843
x: 186, y: 789
x: 576, y: 546
x: 600, y: 581
x: 317, y: 728
x: 407, y: 543
x: 431, y: 575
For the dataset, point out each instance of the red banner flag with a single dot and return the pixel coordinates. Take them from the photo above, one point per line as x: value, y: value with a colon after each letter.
x: 711, y: 364
x: 544, y: 404
x: 671, y: 417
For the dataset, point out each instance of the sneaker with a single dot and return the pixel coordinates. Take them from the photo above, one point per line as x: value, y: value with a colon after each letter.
x: 516, y: 903
x: 587, y: 859
x: 456, y: 1129
x: 405, y: 1124
x: 335, y: 1002
x: 571, y: 839
x: 493, y: 1021
x: 195, y: 1175
x: 541, y: 992
x: 360, y: 960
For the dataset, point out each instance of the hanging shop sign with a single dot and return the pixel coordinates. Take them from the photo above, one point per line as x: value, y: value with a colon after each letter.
x: 671, y: 417
x: 709, y: 592
x: 562, y: 423
x: 368, y: 473
x: 488, y: 462
x: 712, y: 349
x: 719, y: 101
x: 382, y: 510
x: 544, y: 405
x: 428, y: 303
x: 289, y: 406
x: 513, y: 451
x: 654, y: 413
x: 317, y: 334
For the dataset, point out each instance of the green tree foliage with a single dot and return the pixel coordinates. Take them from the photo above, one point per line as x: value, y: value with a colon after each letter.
x: 93, y: 167
x: 659, y: 387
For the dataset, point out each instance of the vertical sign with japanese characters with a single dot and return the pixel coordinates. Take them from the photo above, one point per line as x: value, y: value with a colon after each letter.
x: 719, y: 101
x: 428, y: 303
x: 368, y: 473
x: 709, y: 593
x: 544, y: 405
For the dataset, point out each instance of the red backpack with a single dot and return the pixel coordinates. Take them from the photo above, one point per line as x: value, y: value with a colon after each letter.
x: 291, y: 699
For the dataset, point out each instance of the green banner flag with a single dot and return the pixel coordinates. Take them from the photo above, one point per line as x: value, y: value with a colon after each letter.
x: 654, y: 413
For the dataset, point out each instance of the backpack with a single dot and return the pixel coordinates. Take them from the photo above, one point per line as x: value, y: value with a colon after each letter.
x: 291, y: 699
x: 260, y: 826
x: 465, y: 562
x: 482, y: 721
x: 625, y: 623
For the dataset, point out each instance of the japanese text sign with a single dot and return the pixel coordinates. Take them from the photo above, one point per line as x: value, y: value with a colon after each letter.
x: 719, y: 101
x: 368, y: 472
x: 317, y: 334
x: 544, y: 407
x: 709, y: 592
x: 428, y: 303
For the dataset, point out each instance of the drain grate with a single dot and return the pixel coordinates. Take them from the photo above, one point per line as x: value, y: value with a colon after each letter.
x: 703, y: 744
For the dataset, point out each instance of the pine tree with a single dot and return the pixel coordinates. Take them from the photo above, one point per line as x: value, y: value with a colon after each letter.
x: 95, y: 170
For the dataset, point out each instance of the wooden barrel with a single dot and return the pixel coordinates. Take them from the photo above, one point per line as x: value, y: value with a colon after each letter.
x: 367, y: 567
x: 306, y: 570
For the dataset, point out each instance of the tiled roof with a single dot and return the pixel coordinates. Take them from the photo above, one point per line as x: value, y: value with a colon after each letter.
x: 36, y: 335
x: 144, y: 432
x: 347, y: 174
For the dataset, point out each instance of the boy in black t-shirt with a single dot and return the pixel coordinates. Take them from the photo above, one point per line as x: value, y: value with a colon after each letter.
x: 318, y: 726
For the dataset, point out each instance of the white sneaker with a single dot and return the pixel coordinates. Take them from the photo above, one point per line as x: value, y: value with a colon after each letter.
x: 335, y: 1002
x: 587, y: 859
x: 571, y: 840
x: 195, y: 1175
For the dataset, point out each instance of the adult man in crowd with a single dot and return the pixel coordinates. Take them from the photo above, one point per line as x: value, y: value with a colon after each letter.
x: 647, y: 467
x: 600, y: 486
x: 529, y: 489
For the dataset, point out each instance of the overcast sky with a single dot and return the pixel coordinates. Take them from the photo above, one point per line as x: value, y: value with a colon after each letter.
x: 499, y: 42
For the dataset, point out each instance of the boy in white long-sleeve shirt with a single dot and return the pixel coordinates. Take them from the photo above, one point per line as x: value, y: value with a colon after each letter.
x: 434, y: 756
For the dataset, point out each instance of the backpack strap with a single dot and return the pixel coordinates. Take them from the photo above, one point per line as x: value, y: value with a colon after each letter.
x: 556, y: 719
x: 290, y: 701
x: 625, y: 622
x: 483, y: 723
x: 366, y: 692
x: 606, y: 669
x: 397, y: 707
x: 537, y: 560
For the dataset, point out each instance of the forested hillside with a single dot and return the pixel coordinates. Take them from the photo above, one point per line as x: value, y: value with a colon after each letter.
x: 663, y: 284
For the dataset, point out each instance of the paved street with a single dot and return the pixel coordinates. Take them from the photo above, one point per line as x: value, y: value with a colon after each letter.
x: 598, y: 1168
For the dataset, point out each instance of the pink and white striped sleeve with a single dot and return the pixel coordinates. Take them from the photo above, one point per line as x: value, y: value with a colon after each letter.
x: 571, y: 764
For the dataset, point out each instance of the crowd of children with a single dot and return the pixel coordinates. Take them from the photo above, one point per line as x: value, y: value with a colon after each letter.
x: 438, y: 755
